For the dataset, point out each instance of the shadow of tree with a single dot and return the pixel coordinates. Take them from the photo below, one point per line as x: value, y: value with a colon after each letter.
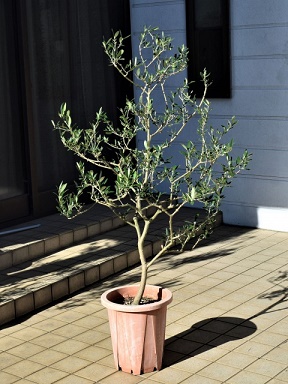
x: 213, y: 332
x: 204, y: 336
x: 281, y: 282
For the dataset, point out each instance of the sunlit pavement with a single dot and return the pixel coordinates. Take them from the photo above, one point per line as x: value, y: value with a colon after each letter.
x: 228, y: 322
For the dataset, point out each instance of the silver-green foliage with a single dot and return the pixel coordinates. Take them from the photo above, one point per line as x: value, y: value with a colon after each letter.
x: 138, y: 173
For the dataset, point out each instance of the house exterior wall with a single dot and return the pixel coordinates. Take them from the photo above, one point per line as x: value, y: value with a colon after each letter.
x: 259, y: 71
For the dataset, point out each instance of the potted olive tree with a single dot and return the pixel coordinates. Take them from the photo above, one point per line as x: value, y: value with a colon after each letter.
x: 147, y: 183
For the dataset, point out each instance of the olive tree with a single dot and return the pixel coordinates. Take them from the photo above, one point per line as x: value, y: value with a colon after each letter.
x: 160, y: 114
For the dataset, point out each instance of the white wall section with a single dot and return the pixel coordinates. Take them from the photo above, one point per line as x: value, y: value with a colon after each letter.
x: 259, y: 65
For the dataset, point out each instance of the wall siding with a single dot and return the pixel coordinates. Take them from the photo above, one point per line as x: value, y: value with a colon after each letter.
x: 259, y: 61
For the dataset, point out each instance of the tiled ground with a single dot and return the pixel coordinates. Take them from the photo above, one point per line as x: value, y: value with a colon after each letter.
x: 228, y: 322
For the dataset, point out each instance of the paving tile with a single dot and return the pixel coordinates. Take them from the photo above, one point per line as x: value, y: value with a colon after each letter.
x: 8, y: 342
x: 219, y: 371
x: 88, y: 307
x: 175, y: 329
x: 280, y: 328
x: 104, y: 327
x: 70, y: 346
x: 254, y: 349
x: 48, y: 340
x: 90, y: 337
x: 69, y: 329
x: 49, y: 325
x: 70, y: 364
x: 210, y: 353
x: 201, y: 297
x: 223, y: 275
x: 261, y: 323
x: 23, y: 368
x: 26, y: 350
x: 89, y: 322
x: 121, y: 378
x: 46, y: 375
x: 197, y: 379
x: 236, y: 360
x: 8, y: 378
x: 283, y: 376
x: 28, y: 333
x: 278, y: 355
x: 201, y: 336
x: 170, y: 376
x: 182, y: 346
x: 72, y: 379
x: 93, y: 353
x: 68, y: 316
x: 183, y: 307
x: 270, y: 338
x: 10, y: 328
x: 277, y: 381
x: 173, y: 315
x: 149, y: 381
x: 192, y: 364
x: 105, y: 343
x: 170, y: 357
x: 108, y: 360
x: 48, y: 357
x: 270, y: 369
x: 95, y: 371
x: 8, y: 359
x: 248, y: 378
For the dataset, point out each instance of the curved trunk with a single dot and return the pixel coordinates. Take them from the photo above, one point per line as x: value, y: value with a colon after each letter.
x: 142, y: 286
x: 144, y: 269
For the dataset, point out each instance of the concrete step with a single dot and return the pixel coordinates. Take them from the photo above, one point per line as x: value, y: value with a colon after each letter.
x: 71, y: 255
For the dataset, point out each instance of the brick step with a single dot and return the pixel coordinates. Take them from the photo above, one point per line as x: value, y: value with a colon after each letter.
x: 38, y: 281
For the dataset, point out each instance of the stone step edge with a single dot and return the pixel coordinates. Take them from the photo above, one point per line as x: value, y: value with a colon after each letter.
x: 73, y: 280
x: 31, y: 299
x: 52, y: 243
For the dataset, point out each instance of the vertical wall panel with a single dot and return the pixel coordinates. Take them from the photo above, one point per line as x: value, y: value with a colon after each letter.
x: 259, y: 60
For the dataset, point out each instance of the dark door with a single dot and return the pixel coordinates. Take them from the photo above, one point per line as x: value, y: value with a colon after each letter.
x: 14, y: 198
x: 51, y: 52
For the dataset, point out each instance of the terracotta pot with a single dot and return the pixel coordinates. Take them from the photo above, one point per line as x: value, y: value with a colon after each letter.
x: 137, y: 331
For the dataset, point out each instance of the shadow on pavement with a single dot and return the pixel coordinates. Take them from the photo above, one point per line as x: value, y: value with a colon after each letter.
x: 204, y: 336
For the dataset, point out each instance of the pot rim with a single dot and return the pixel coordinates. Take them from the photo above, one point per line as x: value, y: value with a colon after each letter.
x: 113, y: 292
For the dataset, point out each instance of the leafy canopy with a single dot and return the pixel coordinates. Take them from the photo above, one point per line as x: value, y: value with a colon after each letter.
x: 157, y: 115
